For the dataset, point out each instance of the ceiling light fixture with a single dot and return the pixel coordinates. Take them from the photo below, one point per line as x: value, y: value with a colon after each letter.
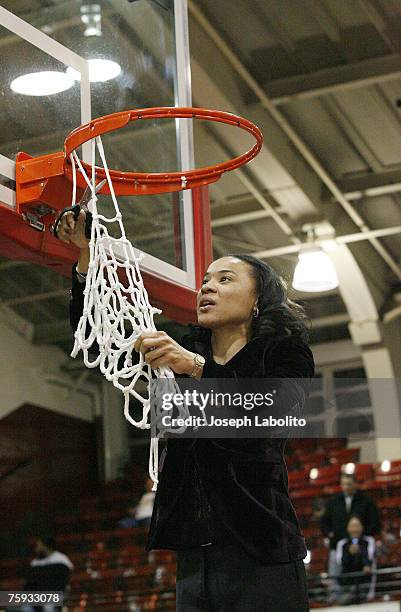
x: 314, y: 272
x: 91, y: 17
x: 44, y: 83
x: 100, y: 70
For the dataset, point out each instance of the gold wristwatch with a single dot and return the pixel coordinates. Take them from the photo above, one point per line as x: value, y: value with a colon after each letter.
x: 199, y: 362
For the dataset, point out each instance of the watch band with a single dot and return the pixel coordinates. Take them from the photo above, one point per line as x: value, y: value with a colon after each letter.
x: 199, y: 362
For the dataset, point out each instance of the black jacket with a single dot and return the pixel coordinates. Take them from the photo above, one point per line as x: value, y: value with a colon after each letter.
x: 211, y: 489
x: 335, y: 517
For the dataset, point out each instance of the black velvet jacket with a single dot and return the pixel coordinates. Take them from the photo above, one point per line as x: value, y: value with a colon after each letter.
x: 212, y: 490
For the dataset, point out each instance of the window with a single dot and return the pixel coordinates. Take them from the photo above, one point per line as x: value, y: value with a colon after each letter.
x: 339, y: 404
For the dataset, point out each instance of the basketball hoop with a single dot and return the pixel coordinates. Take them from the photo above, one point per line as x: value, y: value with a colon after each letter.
x: 116, y: 302
x: 140, y: 183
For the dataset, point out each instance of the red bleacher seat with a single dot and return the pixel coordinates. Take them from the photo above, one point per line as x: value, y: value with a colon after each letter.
x: 327, y: 475
x: 333, y: 443
x: 395, y: 467
x: 320, y: 553
x: 312, y: 532
x: 332, y: 490
x: 375, y: 489
x: 308, y: 493
x: 315, y: 459
x: 390, y: 502
x: 363, y: 472
x: 298, y: 479
x: 9, y: 567
x: 303, y: 445
x: 344, y: 455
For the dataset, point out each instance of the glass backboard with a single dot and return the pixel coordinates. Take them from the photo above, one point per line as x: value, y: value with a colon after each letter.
x: 138, y: 58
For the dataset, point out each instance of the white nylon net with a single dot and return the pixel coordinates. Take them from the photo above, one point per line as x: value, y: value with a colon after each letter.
x: 117, y: 309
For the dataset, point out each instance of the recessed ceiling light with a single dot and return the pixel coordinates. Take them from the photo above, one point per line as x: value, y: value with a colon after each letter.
x: 100, y: 70
x: 45, y: 83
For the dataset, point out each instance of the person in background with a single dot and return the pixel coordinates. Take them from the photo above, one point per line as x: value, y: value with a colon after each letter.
x: 318, y: 508
x: 50, y: 570
x: 356, y: 553
x: 129, y: 521
x: 334, y: 521
x: 140, y: 515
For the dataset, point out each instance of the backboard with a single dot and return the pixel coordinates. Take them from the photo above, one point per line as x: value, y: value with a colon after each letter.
x: 145, y: 43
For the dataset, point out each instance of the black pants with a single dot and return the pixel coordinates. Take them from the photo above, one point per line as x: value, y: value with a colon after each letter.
x: 224, y: 578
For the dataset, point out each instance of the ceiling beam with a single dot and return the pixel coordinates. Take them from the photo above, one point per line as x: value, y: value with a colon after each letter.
x: 388, y: 29
x: 334, y: 80
x: 344, y: 239
x: 356, y: 139
x: 298, y: 142
x: 330, y: 320
x: 253, y: 215
x: 371, y: 185
x: 364, y: 186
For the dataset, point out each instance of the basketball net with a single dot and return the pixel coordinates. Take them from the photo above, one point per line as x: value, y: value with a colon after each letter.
x: 116, y: 312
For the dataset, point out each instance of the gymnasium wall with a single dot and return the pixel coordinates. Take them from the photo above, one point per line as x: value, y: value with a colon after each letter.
x: 48, y: 461
x: 31, y: 374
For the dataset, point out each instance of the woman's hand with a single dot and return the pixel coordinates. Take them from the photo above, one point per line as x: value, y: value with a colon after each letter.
x: 354, y: 549
x: 72, y: 231
x: 162, y: 351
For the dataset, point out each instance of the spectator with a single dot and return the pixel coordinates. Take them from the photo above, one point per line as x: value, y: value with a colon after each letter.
x: 50, y: 570
x: 318, y: 508
x: 129, y: 520
x: 140, y: 515
x: 356, y: 553
x: 338, y: 511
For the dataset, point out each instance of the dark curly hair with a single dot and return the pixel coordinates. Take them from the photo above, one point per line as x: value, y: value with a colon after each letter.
x: 278, y: 314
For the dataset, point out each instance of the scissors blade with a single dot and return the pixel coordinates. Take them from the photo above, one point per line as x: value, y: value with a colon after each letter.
x: 87, y: 195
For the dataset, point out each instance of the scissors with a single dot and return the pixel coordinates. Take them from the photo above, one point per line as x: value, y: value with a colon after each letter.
x: 76, y: 209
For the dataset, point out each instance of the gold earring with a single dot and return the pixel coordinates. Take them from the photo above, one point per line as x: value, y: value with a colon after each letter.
x: 256, y: 312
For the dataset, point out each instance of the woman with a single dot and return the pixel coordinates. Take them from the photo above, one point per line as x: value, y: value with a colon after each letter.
x: 356, y: 554
x: 224, y: 504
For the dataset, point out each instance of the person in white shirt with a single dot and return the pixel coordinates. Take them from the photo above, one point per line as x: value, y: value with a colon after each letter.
x: 339, y: 509
x: 50, y: 570
x: 141, y: 514
x: 356, y: 553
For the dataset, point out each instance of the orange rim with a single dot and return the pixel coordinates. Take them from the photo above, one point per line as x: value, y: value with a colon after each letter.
x: 131, y: 183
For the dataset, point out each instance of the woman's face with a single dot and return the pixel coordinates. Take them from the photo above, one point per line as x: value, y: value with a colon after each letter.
x: 355, y: 528
x: 227, y: 295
